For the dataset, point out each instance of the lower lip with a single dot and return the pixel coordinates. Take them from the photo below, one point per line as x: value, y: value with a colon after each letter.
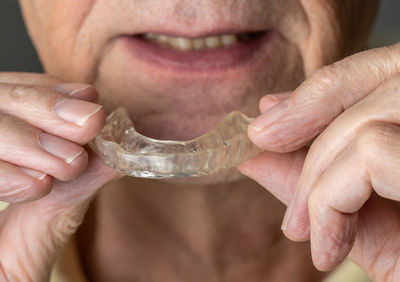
x: 206, y: 60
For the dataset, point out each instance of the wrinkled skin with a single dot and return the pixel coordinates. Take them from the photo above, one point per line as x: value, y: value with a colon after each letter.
x: 75, y: 46
x: 217, y: 228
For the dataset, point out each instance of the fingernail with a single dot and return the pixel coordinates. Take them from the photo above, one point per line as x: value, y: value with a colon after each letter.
x: 75, y: 111
x: 288, y: 213
x: 270, y: 116
x: 279, y: 97
x: 60, y: 148
x: 272, y: 97
x: 267, y: 102
x: 34, y: 173
x: 71, y: 88
x: 256, y: 127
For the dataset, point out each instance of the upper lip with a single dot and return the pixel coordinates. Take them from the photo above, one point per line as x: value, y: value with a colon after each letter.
x: 191, y: 32
x: 199, y: 34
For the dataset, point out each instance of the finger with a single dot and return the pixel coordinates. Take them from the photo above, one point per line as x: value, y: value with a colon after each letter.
x: 26, y: 146
x: 49, y: 221
x: 280, y: 182
x: 320, y: 99
x: 370, y: 163
x: 47, y: 109
x: 19, y: 184
x: 332, y: 238
x: 76, y: 90
x: 64, y: 207
x: 28, y: 78
x: 375, y: 249
x: 79, y: 91
x: 381, y: 105
x: 333, y: 210
x: 278, y: 173
x: 96, y: 175
x: 269, y: 101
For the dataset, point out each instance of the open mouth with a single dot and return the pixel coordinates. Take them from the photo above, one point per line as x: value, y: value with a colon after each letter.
x: 206, y: 53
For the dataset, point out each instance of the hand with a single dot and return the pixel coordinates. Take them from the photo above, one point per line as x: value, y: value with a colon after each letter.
x: 45, y: 172
x: 344, y: 190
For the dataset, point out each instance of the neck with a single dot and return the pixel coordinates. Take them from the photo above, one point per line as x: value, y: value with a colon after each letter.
x: 145, y: 230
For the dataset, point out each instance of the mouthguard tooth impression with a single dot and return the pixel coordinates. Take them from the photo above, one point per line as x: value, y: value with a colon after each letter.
x: 120, y: 146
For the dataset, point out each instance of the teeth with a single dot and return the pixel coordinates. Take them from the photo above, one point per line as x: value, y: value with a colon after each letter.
x: 228, y: 40
x: 161, y: 38
x: 184, y: 44
x: 199, y: 44
x: 150, y: 36
x: 196, y: 44
x: 213, y: 42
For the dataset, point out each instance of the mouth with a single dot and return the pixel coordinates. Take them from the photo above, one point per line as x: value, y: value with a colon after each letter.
x: 200, y: 43
x: 206, y: 53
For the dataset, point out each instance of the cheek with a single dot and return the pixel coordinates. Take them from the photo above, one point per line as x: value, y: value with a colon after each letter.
x: 323, y: 43
x: 337, y: 29
x: 56, y: 28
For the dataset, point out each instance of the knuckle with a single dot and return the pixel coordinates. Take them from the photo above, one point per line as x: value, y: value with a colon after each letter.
x: 322, y: 82
x: 22, y: 92
x: 21, y: 189
x: 328, y: 76
x: 14, y: 190
x: 373, y: 139
x: 30, y: 97
x: 366, y: 141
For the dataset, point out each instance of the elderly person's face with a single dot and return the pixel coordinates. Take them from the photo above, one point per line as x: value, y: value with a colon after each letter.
x: 179, y: 94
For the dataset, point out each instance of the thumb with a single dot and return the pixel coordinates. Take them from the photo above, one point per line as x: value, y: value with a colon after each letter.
x: 72, y: 194
x: 319, y: 100
x: 276, y: 172
x: 33, y: 233
x: 271, y: 100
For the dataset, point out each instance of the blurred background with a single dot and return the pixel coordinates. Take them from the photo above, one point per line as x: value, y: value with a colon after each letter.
x: 17, y: 53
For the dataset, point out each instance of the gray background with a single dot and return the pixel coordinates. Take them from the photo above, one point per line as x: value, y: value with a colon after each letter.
x: 17, y: 53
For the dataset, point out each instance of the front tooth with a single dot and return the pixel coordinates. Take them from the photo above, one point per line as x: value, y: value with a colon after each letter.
x: 199, y: 43
x: 184, y: 44
x: 173, y: 42
x: 213, y: 42
x: 162, y: 38
x: 150, y: 36
x: 228, y: 40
